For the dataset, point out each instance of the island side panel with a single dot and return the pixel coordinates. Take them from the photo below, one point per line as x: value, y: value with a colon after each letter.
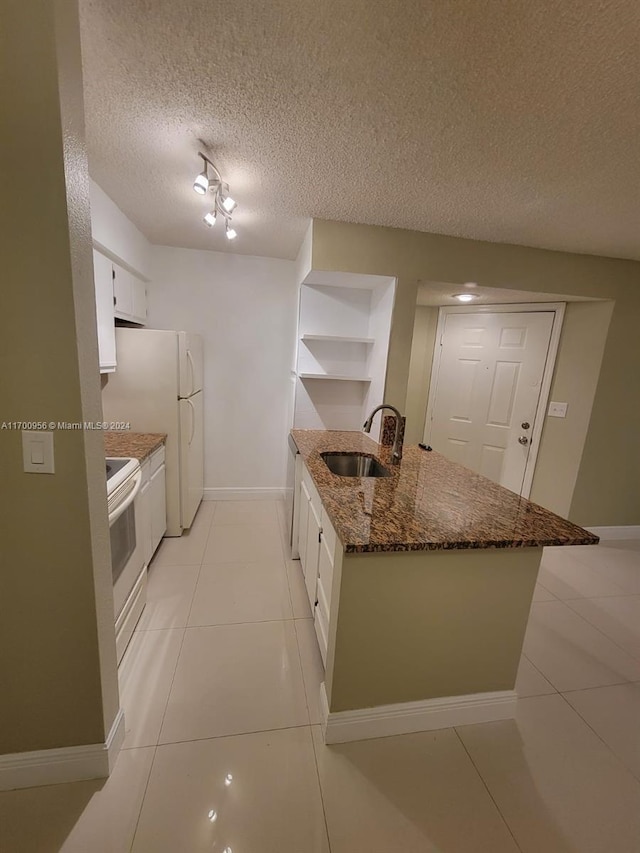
x: 427, y: 624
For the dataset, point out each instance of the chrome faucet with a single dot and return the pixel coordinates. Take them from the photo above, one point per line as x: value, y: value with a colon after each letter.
x: 396, y: 450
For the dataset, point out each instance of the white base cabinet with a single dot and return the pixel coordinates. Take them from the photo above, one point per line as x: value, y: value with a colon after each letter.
x: 153, y: 503
x: 320, y: 553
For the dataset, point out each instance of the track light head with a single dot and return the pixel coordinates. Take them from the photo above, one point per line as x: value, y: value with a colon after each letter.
x: 229, y: 204
x: 210, y: 218
x: 201, y: 183
x: 230, y: 232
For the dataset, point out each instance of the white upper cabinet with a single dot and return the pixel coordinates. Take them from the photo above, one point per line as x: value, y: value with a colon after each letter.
x: 102, y: 273
x: 130, y: 296
x: 343, y: 340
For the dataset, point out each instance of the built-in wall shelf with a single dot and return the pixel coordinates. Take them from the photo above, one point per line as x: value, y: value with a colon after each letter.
x: 337, y: 376
x: 337, y: 339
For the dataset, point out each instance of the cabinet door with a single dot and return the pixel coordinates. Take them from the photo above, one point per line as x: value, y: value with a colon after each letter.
x: 104, y: 312
x: 312, y: 554
x: 143, y: 518
x: 139, y: 300
x: 303, y: 520
x: 123, y: 292
x: 158, y: 507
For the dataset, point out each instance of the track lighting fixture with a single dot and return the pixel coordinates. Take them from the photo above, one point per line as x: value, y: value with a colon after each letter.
x: 224, y: 203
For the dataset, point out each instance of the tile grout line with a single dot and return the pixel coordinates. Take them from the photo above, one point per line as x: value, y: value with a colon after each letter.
x: 589, y: 624
x: 486, y: 787
x: 600, y: 738
x: 144, y: 796
x: 324, y: 809
x: 184, y: 633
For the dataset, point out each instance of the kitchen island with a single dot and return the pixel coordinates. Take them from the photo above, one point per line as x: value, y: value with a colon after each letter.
x: 423, y: 581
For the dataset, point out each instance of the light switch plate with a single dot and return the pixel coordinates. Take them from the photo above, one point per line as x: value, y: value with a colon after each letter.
x: 558, y: 410
x: 37, y: 451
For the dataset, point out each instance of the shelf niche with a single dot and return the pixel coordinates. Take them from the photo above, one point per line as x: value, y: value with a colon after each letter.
x: 343, y: 341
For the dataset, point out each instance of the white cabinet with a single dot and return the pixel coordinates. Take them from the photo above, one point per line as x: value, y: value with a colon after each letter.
x: 309, y: 530
x: 320, y: 559
x: 130, y: 295
x: 343, y: 339
x: 158, y: 502
x: 103, y: 280
x: 152, y: 503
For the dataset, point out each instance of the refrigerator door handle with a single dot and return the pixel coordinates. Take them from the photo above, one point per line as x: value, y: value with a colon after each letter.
x: 193, y: 421
x: 193, y: 373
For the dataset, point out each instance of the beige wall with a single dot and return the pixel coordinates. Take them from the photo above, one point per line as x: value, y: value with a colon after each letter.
x: 428, y: 624
x: 424, y: 336
x: 607, y: 474
x: 57, y: 653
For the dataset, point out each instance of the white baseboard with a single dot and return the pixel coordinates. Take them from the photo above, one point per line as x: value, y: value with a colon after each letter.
x: 70, y: 764
x: 627, y: 531
x: 422, y: 716
x: 267, y: 494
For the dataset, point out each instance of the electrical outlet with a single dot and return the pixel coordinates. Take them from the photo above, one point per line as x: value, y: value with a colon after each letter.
x: 558, y: 410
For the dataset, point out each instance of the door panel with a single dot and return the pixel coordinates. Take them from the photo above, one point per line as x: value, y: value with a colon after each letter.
x: 488, y: 385
x: 191, y: 458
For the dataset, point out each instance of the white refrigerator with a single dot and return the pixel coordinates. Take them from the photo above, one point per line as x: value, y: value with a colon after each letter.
x: 157, y: 387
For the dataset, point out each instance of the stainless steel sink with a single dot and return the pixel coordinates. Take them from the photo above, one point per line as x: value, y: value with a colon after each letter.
x: 354, y: 465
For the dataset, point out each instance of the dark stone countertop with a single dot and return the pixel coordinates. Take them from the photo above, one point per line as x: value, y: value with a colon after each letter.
x: 428, y: 503
x: 138, y: 445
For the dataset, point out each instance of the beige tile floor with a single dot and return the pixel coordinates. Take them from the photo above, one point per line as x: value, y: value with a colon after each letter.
x: 223, y: 750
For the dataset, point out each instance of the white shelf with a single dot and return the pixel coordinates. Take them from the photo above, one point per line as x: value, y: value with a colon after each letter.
x: 334, y: 376
x: 338, y: 339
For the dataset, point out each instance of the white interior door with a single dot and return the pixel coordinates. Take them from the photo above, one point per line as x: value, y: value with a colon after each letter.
x: 485, y: 396
x: 191, y: 457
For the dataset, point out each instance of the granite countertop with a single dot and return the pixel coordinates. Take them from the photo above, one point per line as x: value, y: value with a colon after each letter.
x: 428, y: 503
x: 139, y: 445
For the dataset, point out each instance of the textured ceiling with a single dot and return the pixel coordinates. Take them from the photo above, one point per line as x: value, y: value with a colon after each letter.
x: 504, y: 120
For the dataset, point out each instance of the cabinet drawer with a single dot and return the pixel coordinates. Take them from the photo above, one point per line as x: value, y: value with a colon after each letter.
x: 156, y: 460
x: 313, y: 492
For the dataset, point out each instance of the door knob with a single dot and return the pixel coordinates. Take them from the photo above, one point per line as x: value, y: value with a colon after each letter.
x: 523, y: 440
x: 525, y: 425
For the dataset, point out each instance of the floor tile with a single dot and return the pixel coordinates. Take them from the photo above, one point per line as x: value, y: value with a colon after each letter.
x: 272, y: 804
x: 312, y: 668
x: 298, y: 590
x: 169, y: 594
x: 614, y: 714
x: 615, y: 565
x: 542, y: 594
x: 232, y: 679
x: 416, y: 793
x: 530, y: 682
x: 571, y: 653
x: 241, y: 592
x: 246, y: 512
x: 145, y: 677
x: 243, y: 543
x: 98, y: 816
x: 617, y: 617
x: 563, y: 575
x: 560, y: 789
x: 188, y: 549
x: 283, y: 526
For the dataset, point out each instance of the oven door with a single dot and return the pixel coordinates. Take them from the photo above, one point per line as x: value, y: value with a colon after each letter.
x: 123, y: 541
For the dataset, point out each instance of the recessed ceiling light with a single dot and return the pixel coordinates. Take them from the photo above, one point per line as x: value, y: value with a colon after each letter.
x: 470, y: 284
x: 463, y: 297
